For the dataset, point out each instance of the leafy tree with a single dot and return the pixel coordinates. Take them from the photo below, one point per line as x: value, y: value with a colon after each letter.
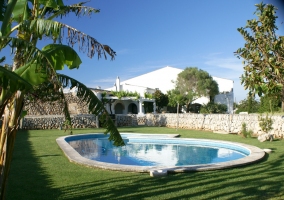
x: 161, y: 99
x: 176, y: 99
x: 24, y: 24
x: 263, y: 54
x: 193, y: 83
x: 250, y: 105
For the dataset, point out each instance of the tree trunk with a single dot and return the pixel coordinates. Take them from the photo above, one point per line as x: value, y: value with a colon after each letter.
x: 177, y: 116
x: 9, y: 129
x: 282, y: 99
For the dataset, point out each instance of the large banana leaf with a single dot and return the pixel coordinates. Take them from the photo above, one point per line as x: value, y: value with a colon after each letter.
x: 57, y: 56
x: 3, y: 7
x: 6, y: 25
x: 33, y: 73
x: 95, y: 106
x: 21, y: 11
x: 60, y: 55
x: 11, y: 80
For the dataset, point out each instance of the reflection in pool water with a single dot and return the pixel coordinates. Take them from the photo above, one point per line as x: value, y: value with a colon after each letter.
x: 153, y: 152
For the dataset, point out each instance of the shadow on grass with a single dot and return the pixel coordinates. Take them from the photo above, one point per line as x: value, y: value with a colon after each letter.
x: 261, y: 180
x: 225, y: 184
x: 27, y: 179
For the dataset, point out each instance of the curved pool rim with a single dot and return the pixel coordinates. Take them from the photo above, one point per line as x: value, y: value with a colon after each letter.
x: 255, y: 155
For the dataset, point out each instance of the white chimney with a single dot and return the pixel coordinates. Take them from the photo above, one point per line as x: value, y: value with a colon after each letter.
x: 117, y: 83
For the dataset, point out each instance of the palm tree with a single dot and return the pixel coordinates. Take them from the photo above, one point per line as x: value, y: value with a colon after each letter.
x: 24, y: 23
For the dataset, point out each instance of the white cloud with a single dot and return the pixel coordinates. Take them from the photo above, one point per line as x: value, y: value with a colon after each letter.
x: 104, y: 80
x: 123, y: 51
x: 102, y: 83
x: 227, y: 67
x: 226, y: 63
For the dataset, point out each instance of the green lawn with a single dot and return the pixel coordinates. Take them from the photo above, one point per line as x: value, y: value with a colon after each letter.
x: 41, y: 171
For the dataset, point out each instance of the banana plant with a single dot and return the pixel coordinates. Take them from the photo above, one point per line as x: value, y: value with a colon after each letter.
x: 24, y: 24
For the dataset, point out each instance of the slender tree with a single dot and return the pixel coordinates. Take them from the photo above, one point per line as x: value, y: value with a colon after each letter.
x: 24, y: 23
x: 176, y: 99
x: 263, y: 54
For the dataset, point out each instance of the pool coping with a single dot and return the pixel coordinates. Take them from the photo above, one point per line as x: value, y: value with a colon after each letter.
x: 73, y: 156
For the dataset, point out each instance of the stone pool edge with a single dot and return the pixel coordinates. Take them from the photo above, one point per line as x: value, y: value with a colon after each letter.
x: 256, y: 154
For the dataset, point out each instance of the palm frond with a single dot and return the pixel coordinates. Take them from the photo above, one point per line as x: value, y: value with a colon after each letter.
x: 78, y: 9
x: 95, y: 106
x: 9, y: 83
x: 6, y: 12
x: 2, y: 59
x: 11, y: 80
x: 29, y: 52
x: 55, y: 30
x: 3, y: 7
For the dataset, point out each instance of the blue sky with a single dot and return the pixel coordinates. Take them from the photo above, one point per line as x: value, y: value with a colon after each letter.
x: 151, y: 34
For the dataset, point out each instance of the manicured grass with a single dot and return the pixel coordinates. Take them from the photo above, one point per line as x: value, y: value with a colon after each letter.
x: 41, y: 171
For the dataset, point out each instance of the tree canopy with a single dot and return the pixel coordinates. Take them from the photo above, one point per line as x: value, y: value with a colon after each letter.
x: 193, y: 83
x: 262, y: 54
x: 161, y: 99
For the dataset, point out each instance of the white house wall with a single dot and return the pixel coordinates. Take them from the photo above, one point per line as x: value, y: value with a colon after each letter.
x: 202, y: 100
x: 225, y: 85
x: 161, y: 78
x: 164, y: 79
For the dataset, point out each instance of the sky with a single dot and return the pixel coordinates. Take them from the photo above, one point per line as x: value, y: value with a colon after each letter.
x: 150, y: 34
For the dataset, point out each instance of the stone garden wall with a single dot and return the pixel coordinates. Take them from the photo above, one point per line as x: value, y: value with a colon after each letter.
x: 211, y: 122
x: 43, y: 115
x: 56, y: 122
x: 75, y: 105
x: 49, y: 115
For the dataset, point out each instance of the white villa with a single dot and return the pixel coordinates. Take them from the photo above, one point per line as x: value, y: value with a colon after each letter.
x: 162, y: 79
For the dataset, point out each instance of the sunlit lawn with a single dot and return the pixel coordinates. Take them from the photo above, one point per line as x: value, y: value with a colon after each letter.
x: 41, y: 171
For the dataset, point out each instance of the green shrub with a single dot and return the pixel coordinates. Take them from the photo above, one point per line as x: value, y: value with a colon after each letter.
x: 213, y: 108
x: 121, y: 94
x: 246, y: 133
x: 265, y: 123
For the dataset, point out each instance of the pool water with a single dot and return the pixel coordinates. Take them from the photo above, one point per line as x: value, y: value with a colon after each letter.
x: 157, y: 151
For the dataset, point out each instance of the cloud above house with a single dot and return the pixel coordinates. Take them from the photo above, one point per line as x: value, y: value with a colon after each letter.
x: 226, y: 63
x: 227, y: 67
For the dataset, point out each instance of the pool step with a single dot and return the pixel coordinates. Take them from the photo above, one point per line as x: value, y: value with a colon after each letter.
x: 158, y: 173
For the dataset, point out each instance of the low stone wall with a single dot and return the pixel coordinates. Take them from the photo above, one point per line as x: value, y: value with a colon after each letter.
x: 56, y: 122
x: 210, y: 122
x: 39, y: 108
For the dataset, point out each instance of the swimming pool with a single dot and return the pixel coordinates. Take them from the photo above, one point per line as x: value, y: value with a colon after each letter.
x: 146, y: 152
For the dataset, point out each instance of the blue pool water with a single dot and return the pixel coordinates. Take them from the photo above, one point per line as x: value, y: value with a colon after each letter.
x: 156, y: 151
